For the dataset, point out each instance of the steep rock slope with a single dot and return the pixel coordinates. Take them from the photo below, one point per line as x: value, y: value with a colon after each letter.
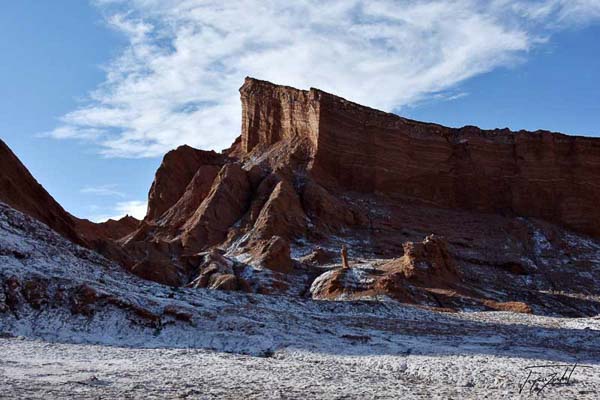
x: 176, y: 171
x: 20, y: 190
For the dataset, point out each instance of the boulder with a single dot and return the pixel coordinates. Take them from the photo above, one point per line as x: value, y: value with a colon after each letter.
x: 273, y: 254
x: 346, y: 284
x: 428, y: 262
x: 215, y: 271
x: 511, y: 306
x: 282, y: 214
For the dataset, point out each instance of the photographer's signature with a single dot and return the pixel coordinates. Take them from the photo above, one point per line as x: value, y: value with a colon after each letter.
x: 541, y: 377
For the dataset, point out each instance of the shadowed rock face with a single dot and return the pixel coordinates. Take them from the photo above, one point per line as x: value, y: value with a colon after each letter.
x: 110, y: 229
x: 441, y: 217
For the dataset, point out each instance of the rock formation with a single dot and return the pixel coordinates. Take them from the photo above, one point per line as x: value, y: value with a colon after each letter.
x: 428, y: 263
x: 178, y: 169
x: 423, y: 266
x: 440, y: 217
x: 313, y: 172
x: 345, y: 257
x: 110, y: 229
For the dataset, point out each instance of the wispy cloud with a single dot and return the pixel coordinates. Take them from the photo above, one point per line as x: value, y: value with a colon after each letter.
x: 176, y: 81
x: 557, y: 13
x: 103, y: 190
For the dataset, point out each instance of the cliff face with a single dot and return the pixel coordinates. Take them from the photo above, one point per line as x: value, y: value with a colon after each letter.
x: 538, y: 174
x: 271, y: 113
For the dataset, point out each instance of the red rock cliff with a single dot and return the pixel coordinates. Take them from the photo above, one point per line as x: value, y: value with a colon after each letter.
x: 539, y: 174
x: 271, y: 113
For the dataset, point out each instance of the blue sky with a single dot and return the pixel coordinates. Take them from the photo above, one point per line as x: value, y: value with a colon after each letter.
x: 95, y: 92
x: 52, y: 57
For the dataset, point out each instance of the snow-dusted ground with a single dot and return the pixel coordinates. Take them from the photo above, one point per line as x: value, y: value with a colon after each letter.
x: 232, y: 345
x: 38, y: 369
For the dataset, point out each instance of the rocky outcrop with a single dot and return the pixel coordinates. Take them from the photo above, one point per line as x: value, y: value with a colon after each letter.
x: 273, y: 254
x: 318, y: 256
x: 330, y: 213
x: 347, y: 284
x: 196, y: 191
x: 424, y: 265
x: 512, y: 306
x: 110, y: 229
x: 172, y: 178
x: 428, y: 263
x: 282, y: 214
x: 217, y: 272
x: 225, y: 204
x: 158, y: 269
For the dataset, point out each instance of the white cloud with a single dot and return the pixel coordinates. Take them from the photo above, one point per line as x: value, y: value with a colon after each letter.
x: 103, y: 190
x: 134, y: 208
x: 176, y: 82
